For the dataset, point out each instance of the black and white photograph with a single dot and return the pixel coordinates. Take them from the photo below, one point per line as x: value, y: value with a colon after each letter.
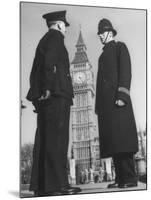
x: 83, y: 94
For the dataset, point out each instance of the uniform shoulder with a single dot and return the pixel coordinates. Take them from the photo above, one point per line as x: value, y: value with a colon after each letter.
x: 122, y: 44
x: 50, y: 39
x: 44, y: 39
x: 55, y: 38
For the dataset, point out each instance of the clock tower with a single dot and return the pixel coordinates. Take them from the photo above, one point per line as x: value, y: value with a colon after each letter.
x: 85, y: 141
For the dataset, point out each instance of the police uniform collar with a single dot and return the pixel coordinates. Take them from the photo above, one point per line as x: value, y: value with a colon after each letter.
x: 112, y: 42
x: 56, y: 32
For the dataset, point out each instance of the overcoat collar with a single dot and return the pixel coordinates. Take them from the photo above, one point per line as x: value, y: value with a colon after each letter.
x: 109, y: 44
x: 56, y: 33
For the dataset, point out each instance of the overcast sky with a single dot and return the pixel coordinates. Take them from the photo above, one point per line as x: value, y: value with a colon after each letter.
x: 131, y: 29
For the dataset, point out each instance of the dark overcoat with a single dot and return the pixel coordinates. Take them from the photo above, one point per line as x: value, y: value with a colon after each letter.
x: 50, y: 71
x: 117, y: 128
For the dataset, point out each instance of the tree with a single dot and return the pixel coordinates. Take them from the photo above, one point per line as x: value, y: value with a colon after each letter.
x: 26, y: 163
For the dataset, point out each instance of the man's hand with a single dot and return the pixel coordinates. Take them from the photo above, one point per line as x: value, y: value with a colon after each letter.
x: 45, y: 96
x: 120, y: 102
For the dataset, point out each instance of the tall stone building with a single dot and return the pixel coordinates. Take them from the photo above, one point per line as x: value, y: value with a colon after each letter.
x: 85, y: 141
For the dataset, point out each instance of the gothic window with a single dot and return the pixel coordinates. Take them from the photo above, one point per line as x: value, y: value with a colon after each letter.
x: 78, y: 100
x: 85, y: 116
x: 77, y: 134
x: 80, y: 117
x: 82, y: 99
x: 80, y: 132
x: 84, y: 103
x: 77, y: 117
x: 76, y: 154
x: 82, y: 152
x: 86, y: 151
x: 84, y: 96
x: 85, y: 133
x: 75, y: 100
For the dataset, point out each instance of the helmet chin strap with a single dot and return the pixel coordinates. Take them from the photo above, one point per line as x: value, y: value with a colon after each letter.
x: 106, y: 37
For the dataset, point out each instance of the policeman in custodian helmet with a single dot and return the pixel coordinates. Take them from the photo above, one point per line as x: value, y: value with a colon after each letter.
x: 117, y: 128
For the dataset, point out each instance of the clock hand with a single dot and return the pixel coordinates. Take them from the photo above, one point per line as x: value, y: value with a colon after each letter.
x: 80, y: 79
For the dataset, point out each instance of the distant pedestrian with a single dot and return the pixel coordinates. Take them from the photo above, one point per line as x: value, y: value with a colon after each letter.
x: 91, y: 175
x: 86, y: 175
x: 101, y: 174
x: 82, y: 177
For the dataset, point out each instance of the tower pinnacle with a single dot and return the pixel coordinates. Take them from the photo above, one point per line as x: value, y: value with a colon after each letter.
x: 80, y: 55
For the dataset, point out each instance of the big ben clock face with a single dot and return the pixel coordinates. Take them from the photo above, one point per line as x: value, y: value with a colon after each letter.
x: 79, y: 77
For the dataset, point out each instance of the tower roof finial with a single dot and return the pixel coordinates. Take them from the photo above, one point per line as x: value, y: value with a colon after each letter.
x: 80, y: 41
x: 80, y: 55
x: 80, y: 27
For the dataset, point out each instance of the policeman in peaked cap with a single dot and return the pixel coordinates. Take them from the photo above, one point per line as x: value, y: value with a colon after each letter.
x: 117, y: 127
x: 51, y: 93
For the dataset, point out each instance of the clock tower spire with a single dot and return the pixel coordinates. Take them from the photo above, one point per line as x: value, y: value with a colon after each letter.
x: 80, y: 55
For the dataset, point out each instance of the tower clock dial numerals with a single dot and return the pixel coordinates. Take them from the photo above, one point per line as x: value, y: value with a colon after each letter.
x: 79, y: 77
